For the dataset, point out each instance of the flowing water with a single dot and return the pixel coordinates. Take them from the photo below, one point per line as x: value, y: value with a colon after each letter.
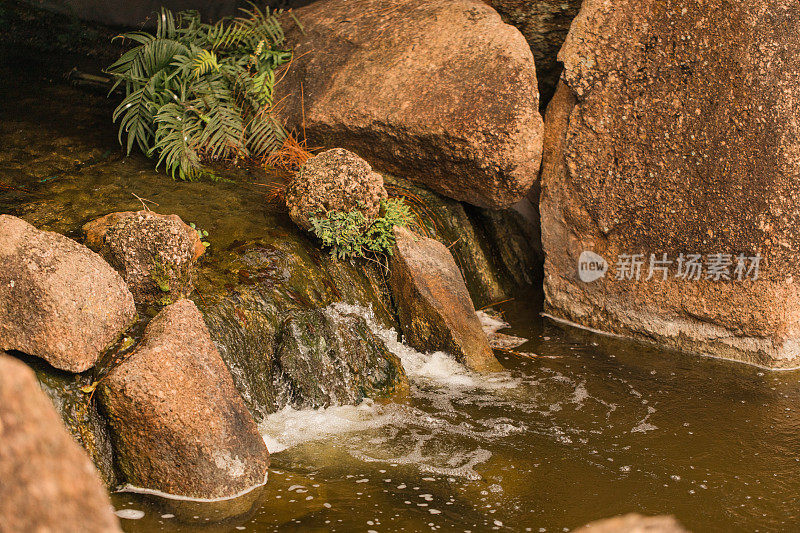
x: 579, y: 427
x: 582, y: 427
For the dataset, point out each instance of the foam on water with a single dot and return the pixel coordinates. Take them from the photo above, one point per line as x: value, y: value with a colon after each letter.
x: 454, y: 416
x: 290, y: 427
x: 491, y: 324
x: 437, y: 367
x: 130, y: 514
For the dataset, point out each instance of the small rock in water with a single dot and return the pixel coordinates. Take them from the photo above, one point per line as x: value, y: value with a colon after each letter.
x: 154, y: 253
x: 435, y: 309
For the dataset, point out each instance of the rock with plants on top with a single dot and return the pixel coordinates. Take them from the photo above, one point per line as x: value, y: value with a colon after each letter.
x: 338, y: 197
x: 336, y: 180
x: 154, y: 253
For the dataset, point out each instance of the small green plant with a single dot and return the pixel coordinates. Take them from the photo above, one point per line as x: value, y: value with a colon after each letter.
x: 199, y: 92
x: 353, y: 235
x: 203, y: 234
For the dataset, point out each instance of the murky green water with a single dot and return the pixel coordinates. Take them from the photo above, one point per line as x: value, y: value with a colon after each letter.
x: 586, y: 427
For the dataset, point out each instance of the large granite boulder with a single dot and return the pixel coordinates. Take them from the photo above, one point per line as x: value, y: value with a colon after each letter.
x: 154, y: 253
x: 674, y: 141
x: 335, y: 180
x: 442, y: 92
x: 545, y: 24
x: 434, y: 307
x: 58, y: 300
x: 47, y: 483
x: 177, y: 420
x: 633, y: 523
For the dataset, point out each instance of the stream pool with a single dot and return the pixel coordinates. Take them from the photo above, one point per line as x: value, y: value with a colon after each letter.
x: 579, y: 427
x: 584, y: 427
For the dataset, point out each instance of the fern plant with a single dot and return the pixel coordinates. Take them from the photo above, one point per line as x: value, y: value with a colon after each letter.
x: 199, y: 92
x: 351, y: 234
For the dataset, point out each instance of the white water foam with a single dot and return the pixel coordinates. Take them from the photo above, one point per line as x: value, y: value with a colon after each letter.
x: 401, y: 434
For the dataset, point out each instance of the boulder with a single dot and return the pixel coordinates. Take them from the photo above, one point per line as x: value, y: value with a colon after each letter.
x: 58, y: 300
x: 633, y: 523
x: 674, y: 139
x: 329, y: 358
x: 178, y: 423
x: 545, y: 24
x: 335, y: 180
x: 94, y: 232
x: 444, y: 94
x: 434, y: 307
x: 47, y: 483
x: 154, y: 253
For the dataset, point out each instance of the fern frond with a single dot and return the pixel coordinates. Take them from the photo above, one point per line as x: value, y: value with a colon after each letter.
x: 204, y: 62
x: 201, y: 92
x: 177, y: 137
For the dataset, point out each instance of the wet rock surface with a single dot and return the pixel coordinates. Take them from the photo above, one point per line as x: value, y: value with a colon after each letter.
x: 442, y: 95
x: 58, y: 300
x: 249, y: 294
x: 651, y: 149
x: 634, y: 523
x: 154, y: 253
x: 79, y: 412
x: 327, y: 357
x: 334, y: 180
x: 178, y: 422
x: 434, y: 307
x: 47, y: 483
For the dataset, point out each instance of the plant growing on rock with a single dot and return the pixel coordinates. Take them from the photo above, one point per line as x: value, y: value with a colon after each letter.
x: 199, y: 92
x: 354, y: 235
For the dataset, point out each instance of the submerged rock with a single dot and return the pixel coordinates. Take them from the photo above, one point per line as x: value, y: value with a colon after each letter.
x: 46, y: 481
x: 178, y: 422
x: 154, y: 253
x: 633, y: 523
x: 444, y: 94
x: 335, y: 180
x: 326, y: 358
x: 435, y: 310
x: 653, y: 153
x: 545, y: 24
x: 58, y: 300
